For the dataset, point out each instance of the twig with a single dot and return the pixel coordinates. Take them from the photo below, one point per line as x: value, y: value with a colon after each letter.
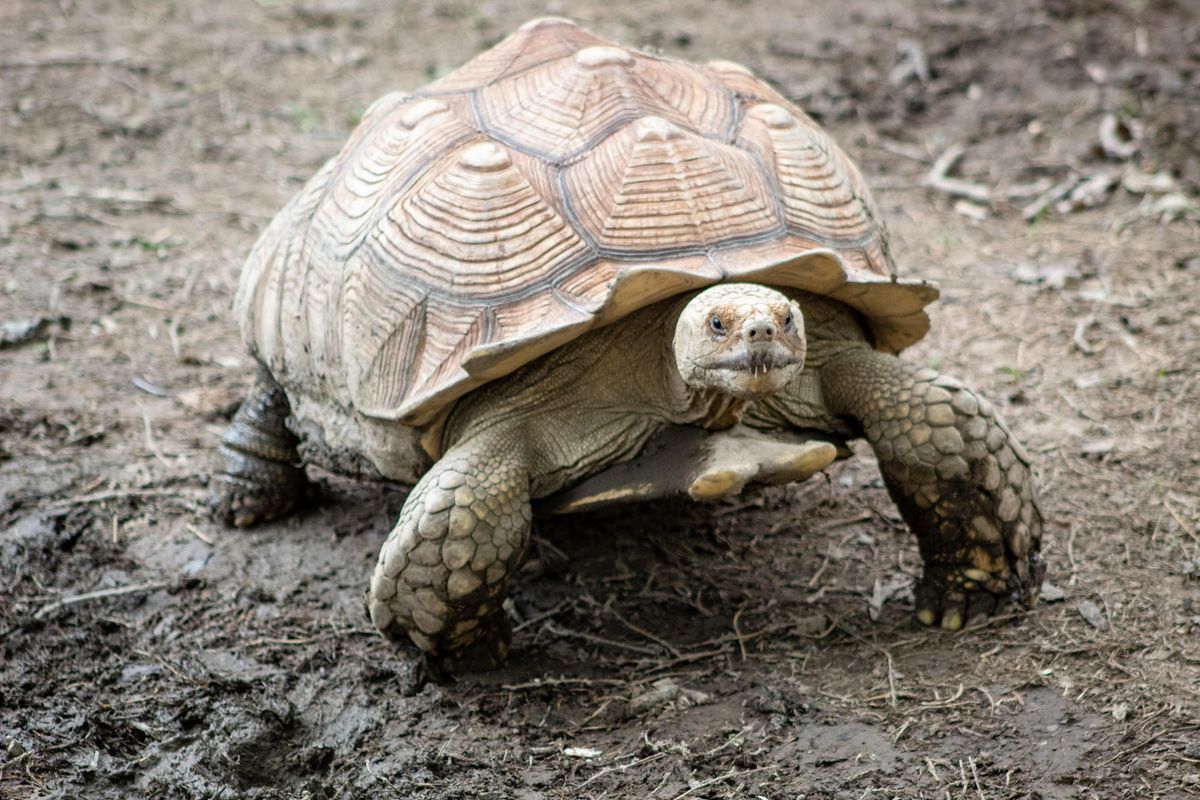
x: 623, y: 767
x: 201, y: 535
x: 69, y: 60
x: 938, y: 178
x: 1135, y: 748
x: 544, y: 615
x: 646, y: 651
x: 545, y: 683
x: 891, y: 675
x: 1183, y: 524
x: 670, y: 648
x: 1071, y: 548
x: 902, y: 149
x: 151, y: 445
x: 1078, y: 410
x: 741, y: 640
x: 117, y: 591
x: 1079, y: 338
x: 117, y: 494
x: 1051, y: 196
x: 149, y: 388
x: 975, y: 775
x: 733, y: 773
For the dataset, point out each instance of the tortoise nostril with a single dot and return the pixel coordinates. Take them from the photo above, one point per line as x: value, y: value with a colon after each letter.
x: 760, y: 331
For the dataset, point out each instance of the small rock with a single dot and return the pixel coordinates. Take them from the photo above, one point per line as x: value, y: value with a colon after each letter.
x: 26, y: 330
x: 810, y: 625
x: 971, y: 210
x: 1050, y: 593
x: 1120, y: 711
x: 1092, y: 613
x: 1098, y: 447
x: 883, y: 592
x: 1173, y: 206
x: 911, y: 63
x: 1137, y: 182
x: 1050, y: 276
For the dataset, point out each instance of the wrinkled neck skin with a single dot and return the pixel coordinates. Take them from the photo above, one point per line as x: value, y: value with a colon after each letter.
x: 593, y: 402
x: 597, y: 400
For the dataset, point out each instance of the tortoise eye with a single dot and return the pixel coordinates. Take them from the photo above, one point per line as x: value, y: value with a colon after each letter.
x: 717, y: 326
x: 787, y: 321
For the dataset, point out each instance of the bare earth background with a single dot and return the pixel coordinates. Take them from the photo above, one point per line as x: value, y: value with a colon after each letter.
x: 758, y: 649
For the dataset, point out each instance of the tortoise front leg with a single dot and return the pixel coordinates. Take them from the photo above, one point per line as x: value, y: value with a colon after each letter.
x: 444, y: 570
x: 262, y: 478
x: 961, y: 480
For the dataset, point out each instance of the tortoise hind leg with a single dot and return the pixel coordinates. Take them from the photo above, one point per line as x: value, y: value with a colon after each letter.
x: 262, y: 479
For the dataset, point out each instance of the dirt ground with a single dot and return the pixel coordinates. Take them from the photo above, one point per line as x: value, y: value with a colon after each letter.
x: 763, y: 648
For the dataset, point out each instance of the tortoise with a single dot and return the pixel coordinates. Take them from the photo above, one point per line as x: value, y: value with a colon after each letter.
x: 572, y: 273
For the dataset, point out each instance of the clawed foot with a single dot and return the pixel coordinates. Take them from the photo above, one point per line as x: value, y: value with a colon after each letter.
x: 241, y: 504
x: 487, y: 652
x: 955, y: 595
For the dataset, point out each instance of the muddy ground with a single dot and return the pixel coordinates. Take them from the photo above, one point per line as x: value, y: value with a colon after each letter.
x: 760, y: 649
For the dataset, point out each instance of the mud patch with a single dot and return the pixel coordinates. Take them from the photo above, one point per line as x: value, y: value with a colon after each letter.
x: 147, y: 652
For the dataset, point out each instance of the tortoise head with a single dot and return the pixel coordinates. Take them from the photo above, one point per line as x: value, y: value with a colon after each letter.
x: 741, y: 339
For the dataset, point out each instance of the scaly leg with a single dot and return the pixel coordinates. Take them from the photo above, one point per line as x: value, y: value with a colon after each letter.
x: 262, y: 479
x: 443, y: 572
x: 960, y: 478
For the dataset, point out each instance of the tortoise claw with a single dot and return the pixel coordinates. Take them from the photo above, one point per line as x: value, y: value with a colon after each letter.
x: 952, y: 597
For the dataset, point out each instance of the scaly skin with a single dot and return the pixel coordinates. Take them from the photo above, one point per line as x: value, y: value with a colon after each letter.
x: 262, y: 479
x: 961, y: 480
x: 444, y: 570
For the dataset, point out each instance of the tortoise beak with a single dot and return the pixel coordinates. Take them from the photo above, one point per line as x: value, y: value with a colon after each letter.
x: 761, y: 356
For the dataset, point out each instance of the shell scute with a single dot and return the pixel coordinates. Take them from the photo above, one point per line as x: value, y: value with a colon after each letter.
x: 561, y: 109
x: 655, y: 187
x: 479, y: 224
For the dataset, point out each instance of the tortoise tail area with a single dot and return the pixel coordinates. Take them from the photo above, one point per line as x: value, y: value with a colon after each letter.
x: 262, y: 478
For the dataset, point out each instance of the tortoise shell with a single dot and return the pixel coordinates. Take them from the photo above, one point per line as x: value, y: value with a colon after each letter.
x: 553, y: 184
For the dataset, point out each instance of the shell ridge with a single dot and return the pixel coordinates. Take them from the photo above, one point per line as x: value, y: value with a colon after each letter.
x: 772, y: 179
x: 434, y: 93
x: 683, y: 251
x: 572, y: 214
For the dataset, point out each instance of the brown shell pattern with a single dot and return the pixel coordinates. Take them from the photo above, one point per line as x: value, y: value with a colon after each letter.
x: 554, y: 183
